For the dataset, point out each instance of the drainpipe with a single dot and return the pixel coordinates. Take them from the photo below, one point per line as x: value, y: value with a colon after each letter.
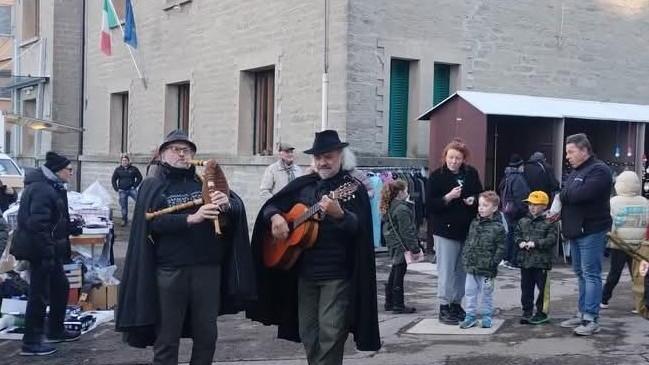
x: 325, y: 76
x: 82, y: 96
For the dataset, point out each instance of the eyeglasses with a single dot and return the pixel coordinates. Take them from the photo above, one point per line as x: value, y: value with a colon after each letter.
x: 179, y: 149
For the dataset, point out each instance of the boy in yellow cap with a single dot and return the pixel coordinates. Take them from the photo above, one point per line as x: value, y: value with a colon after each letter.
x: 536, y: 237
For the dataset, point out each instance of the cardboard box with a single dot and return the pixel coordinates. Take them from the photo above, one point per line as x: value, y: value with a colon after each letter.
x: 74, y: 275
x: 104, y: 297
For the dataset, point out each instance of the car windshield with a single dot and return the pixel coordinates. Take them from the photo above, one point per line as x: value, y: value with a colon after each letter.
x: 8, y: 168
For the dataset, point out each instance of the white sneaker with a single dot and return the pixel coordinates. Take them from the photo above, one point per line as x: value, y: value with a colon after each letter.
x: 634, y: 311
x: 587, y: 328
x: 571, y: 323
x: 603, y: 305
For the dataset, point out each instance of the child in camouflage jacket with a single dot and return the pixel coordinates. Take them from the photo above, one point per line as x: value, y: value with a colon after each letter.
x: 536, y: 237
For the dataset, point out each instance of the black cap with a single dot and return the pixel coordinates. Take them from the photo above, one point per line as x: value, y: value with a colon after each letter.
x: 326, y: 141
x: 55, y: 162
x: 177, y: 135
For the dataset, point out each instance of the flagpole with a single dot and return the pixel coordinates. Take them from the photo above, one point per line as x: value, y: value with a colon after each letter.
x: 130, y: 51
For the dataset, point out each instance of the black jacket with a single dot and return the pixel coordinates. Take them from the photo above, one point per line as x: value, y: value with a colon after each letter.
x: 126, y: 178
x: 43, y: 220
x: 277, y: 304
x: 513, y: 190
x: 585, y: 200
x: 539, y: 176
x: 137, y: 313
x: 452, y: 220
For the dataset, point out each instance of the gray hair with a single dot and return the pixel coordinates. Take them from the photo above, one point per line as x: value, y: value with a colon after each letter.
x: 581, y: 141
x: 349, y: 159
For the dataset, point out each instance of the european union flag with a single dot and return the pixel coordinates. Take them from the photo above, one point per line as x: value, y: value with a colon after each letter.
x: 130, y: 34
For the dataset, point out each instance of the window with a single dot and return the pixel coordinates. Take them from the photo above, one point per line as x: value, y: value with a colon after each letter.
x: 5, y: 20
x: 29, y: 134
x: 264, y: 112
x: 119, y: 122
x: 5, y: 75
x: 444, y: 81
x: 398, y: 117
x: 31, y: 17
x: 177, y: 107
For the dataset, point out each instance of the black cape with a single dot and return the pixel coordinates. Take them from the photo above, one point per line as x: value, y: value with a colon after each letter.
x: 138, y: 307
x: 277, y: 289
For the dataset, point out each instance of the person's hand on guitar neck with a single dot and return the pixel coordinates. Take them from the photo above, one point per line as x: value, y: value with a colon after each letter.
x: 279, y: 227
x: 331, y: 207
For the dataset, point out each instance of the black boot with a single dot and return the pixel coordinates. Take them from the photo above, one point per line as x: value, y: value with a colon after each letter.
x: 446, y: 316
x: 458, y: 311
x: 398, y: 306
x: 388, y: 298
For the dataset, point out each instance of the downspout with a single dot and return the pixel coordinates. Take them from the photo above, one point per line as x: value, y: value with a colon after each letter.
x: 81, y: 103
x: 325, y: 71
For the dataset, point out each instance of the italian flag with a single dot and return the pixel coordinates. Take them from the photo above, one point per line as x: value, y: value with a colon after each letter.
x: 108, y: 21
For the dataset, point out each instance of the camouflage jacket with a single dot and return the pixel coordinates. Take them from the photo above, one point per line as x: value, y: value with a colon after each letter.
x: 484, y: 247
x: 544, y: 235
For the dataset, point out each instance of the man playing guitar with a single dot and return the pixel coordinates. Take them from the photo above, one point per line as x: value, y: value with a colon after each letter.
x: 331, y: 289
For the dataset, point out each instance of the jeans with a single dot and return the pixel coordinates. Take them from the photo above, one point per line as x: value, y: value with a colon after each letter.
x: 47, y: 285
x: 618, y: 259
x: 123, y: 200
x: 587, y: 254
x: 450, y: 273
x: 323, y: 316
x: 194, y: 292
x: 476, y: 287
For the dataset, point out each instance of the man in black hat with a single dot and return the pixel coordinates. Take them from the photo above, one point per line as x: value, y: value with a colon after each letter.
x: 42, y: 239
x: 179, y: 274
x: 279, y: 173
x: 331, y: 290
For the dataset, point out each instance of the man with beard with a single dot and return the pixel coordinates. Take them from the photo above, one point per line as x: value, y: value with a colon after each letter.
x: 179, y: 275
x: 331, y: 290
x: 279, y: 173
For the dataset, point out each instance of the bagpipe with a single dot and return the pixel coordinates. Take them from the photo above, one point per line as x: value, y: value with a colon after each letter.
x: 213, y: 179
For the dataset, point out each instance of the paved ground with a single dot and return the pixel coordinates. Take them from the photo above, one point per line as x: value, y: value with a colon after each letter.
x: 623, y: 340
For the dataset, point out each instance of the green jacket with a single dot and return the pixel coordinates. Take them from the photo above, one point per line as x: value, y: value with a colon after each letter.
x: 484, y: 246
x: 404, y: 228
x: 544, y: 235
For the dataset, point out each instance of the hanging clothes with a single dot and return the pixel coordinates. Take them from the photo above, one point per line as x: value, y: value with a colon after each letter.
x: 375, y: 202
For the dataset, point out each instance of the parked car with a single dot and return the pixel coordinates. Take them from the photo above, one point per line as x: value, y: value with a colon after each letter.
x: 10, y: 173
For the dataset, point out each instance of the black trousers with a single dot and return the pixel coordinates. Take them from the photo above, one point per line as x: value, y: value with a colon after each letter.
x: 47, y: 284
x: 618, y: 259
x: 535, y: 278
x: 193, y: 291
x: 397, y: 273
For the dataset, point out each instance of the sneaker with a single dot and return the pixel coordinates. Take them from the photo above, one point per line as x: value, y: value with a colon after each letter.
x: 37, y: 349
x: 486, y: 322
x: 603, y: 305
x: 539, y: 318
x: 525, y: 318
x: 65, y: 336
x: 458, y: 311
x: 446, y: 316
x: 634, y: 311
x: 469, y: 321
x: 587, y: 328
x: 571, y: 323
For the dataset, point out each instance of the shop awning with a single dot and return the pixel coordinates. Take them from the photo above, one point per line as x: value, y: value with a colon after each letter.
x: 544, y: 107
x: 18, y: 82
x: 41, y: 124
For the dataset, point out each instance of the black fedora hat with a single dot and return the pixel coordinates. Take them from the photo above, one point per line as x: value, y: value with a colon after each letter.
x: 325, y: 141
x: 177, y: 135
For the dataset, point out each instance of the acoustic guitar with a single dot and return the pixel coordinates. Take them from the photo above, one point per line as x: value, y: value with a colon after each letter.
x: 303, y: 230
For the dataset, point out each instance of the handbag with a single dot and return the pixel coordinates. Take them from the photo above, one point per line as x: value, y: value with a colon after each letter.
x: 7, y: 260
x: 409, y: 256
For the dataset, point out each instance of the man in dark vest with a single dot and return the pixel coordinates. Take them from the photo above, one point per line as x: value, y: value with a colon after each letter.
x: 179, y: 274
x: 331, y: 290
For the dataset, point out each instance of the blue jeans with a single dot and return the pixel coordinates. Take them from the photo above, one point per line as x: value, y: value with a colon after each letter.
x: 479, y: 286
x: 123, y: 200
x: 587, y: 254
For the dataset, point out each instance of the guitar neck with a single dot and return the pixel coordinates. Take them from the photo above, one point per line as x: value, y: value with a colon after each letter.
x: 313, y: 210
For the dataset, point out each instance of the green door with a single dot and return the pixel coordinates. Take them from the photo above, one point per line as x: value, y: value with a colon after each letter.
x: 441, y: 82
x: 398, y: 132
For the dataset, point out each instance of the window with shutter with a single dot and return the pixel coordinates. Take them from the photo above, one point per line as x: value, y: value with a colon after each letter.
x: 398, y: 129
x: 441, y: 82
